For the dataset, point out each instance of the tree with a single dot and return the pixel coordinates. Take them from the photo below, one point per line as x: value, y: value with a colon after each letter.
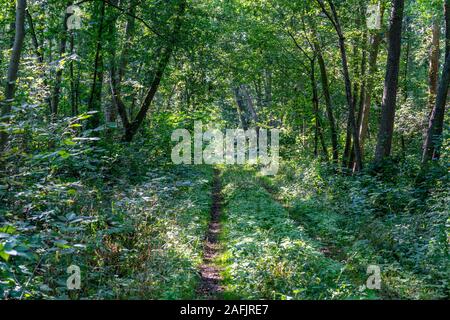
x: 62, y: 51
x: 386, y: 129
x: 13, y: 69
x: 315, y: 96
x: 375, y: 41
x: 351, y: 123
x: 433, y: 140
x: 95, y: 98
x: 434, y: 63
x: 123, y: 59
x: 327, y: 96
x: 131, y: 127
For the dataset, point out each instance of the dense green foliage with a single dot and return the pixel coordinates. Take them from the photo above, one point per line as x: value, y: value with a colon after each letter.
x: 75, y: 191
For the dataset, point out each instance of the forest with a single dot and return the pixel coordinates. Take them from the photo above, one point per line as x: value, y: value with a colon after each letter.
x: 107, y: 191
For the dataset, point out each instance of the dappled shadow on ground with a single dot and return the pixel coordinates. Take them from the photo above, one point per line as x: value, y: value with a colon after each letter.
x: 267, y: 254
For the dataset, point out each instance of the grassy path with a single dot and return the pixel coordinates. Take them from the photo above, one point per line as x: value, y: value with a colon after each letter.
x: 328, y: 248
x: 232, y: 234
x: 268, y: 255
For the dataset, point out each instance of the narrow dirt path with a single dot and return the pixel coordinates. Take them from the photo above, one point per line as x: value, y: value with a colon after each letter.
x: 209, y: 287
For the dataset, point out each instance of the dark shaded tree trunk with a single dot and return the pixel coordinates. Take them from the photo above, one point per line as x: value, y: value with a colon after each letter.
x: 95, y: 98
x: 328, y: 104
x: 385, y: 133
x: 358, y: 79
x: 249, y: 104
x: 373, y: 57
x: 34, y: 39
x: 13, y: 69
x: 59, y: 72
x: 111, y: 113
x: 433, y: 140
x: 333, y: 17
x: 434, y: 64
x: 73, y: 88
x: 315, y: 101
x: 362, y: 92
x: 447, y: 27
x: 241, y: 108
x: 257, y: 83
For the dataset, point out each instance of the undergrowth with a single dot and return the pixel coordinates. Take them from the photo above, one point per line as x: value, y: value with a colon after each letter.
x: 372, y: 220
x: 268, y: 255
x: 133, y: 224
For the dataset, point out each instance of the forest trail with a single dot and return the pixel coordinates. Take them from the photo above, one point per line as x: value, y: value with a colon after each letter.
x: 209, y: 287
x: 327, y: 247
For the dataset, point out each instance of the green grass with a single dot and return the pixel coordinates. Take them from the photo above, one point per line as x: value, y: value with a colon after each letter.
x: 267, y: 254
x: 365, y: 221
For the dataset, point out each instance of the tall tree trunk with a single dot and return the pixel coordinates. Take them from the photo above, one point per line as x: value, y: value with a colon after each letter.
x: 328, y: 104
x: 433, y: 138
x: 250, y: 106
x: 348, y: 85
x: 447, y: 32
x: 347, y: 158
x: 315, y: 101
x: 362, y: 91
x: 434, y: 64
x: 385, y: 133
x: 257, y: 83
x: 73, y: 93
x: 322, y: 139
x: 358, y: 77
x: 34, y: 39
x: 373, y: 57
x: 241, y: 108
x: 407, y: 58
x: 95, y: 97
x: 59, y: 72
x: 447, y: 27
x: 129, y: 33
x: 123, y: 60
x: 13, y: 69
x: 406, y: 68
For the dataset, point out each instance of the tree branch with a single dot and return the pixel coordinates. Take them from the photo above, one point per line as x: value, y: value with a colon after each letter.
x: 125, y: 11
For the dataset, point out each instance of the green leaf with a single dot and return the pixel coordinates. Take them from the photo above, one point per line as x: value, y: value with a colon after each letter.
x: 3, y: 254
x: 63, y: 244
x: 63, y: 154
x: 69, y: 142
